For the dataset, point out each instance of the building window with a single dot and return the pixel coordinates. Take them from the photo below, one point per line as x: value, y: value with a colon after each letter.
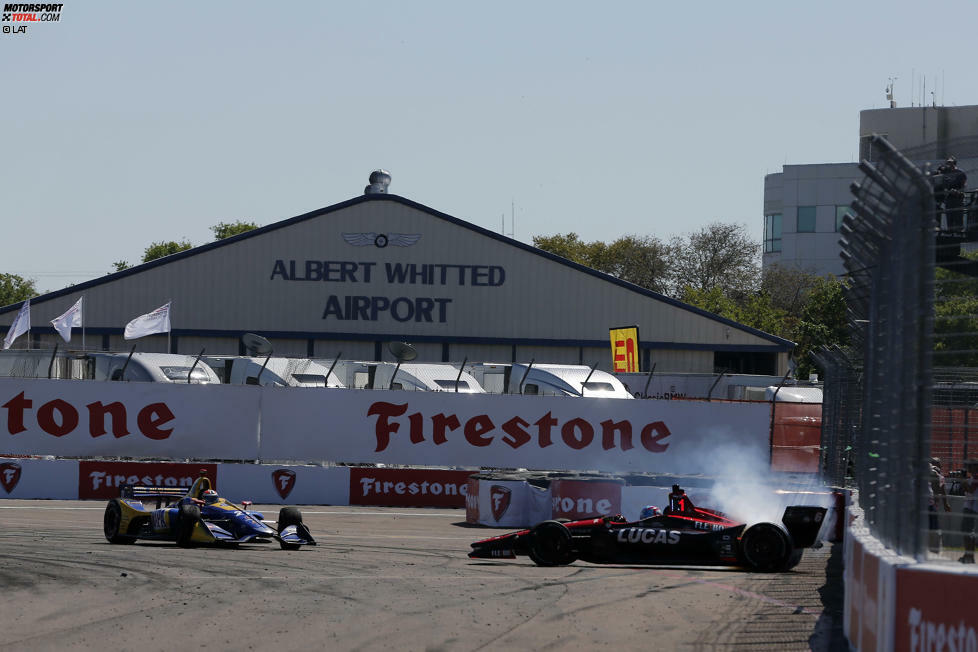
x: 840, y: 213
x: 806, y: 219
x: 772, y: 233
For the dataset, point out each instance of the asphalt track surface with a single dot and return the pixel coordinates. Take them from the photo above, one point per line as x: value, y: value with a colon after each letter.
x: 382, y: 579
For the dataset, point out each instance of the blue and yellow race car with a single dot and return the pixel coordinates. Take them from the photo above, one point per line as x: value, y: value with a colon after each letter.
x: 197, y: 515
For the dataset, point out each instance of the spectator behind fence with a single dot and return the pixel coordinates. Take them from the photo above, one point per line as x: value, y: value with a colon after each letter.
x: 935, y: 488
x: 949, y: 183
x: 970, y: 510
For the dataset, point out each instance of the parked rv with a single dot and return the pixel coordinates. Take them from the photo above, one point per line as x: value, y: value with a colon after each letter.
x: 410, y: 376
x: 149, y: 368
x: 548, y: 380
x: 266, y: 371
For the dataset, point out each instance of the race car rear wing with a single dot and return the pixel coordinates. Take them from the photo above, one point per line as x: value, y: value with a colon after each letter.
x: 139, y: 492
x: 803, y: 523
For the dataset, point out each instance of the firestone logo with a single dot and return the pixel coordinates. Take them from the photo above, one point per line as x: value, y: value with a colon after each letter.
x: 927, y: 635
x: 59, y: 418
x: 481, y: 431
x: 500, y: 497
x: 101, y: 479
x: 284, y: 481
x: 9, y: 475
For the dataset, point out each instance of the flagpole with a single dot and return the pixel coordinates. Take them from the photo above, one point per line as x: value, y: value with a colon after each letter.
x: 169, y: 315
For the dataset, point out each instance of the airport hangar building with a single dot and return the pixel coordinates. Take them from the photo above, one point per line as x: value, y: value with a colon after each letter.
x: 353, y: 277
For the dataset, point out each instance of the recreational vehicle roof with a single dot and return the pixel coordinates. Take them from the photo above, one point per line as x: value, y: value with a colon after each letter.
x: 152, y: 368
x: 427, y: 377
x: 283, y: 372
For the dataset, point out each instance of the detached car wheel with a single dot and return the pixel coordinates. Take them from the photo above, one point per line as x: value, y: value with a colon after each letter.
x: 288, y: 516
x: 550, y: 544
x: 187, y: 518
x: 766, y: 547
x: 112, y: 523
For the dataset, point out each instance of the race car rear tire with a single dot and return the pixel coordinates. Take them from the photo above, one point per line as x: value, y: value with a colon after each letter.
x: 187, y: 518
x: 795, y: 559
x: 112, y: 522
x: 289, y: 516
x: 766, y: 548
x: 551, y: 544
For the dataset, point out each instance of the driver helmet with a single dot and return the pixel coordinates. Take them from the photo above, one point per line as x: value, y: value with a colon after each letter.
x: 209, y: 496
x: 648, y: 512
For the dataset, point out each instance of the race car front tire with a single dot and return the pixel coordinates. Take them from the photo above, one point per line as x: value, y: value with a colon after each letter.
x: 551, y: 544
x: 289, y: 516
x: 766, y: 548
x: 112, y: 523
x: 187, y: 518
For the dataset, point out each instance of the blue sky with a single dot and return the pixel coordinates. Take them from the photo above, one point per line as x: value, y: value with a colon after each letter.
x: 133, y: 122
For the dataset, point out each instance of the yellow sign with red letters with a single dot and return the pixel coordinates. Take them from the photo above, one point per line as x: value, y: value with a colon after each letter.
x: 624, y: 349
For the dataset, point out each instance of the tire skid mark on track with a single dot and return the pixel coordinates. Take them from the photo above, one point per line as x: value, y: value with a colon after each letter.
x: 527, y: 622
x: 370, y: 584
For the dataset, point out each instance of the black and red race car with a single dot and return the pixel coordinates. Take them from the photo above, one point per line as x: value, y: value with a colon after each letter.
x: 682, y: 534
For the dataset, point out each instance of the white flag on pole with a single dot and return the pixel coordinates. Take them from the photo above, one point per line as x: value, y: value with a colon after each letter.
x: 157, y: 321
x: 65, y: 322
x: 22, y: 324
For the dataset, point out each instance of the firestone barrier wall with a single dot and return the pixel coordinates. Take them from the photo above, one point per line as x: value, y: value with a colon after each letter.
x: 160, y: 421
x: 892, y: 602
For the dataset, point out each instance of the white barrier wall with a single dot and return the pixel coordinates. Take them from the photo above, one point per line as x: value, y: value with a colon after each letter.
x: 34, y: 478
x: 297, y: 485
x: 87, y: 418
x: 895, y: 603
x: 236, y: 422
x: 534, y: 432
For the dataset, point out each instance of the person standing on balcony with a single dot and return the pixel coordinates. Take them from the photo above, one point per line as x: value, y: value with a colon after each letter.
x: 954, y: 182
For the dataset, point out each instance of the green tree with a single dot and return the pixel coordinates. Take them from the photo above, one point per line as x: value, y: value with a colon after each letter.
x: 642, y: 260
x: 14, y: 288
x: 120, y: 265
x: 224, y: 230
x: 717, y: 256
x: 824, y: 322
x: 955, y: 318
x: 788, y: 287
x: 160, y: 249
x: 755, y: 310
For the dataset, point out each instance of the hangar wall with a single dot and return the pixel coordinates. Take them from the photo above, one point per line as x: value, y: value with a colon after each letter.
x: 379, y: 268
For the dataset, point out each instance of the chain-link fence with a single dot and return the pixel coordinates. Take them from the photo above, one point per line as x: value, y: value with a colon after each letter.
x: 900, y: 418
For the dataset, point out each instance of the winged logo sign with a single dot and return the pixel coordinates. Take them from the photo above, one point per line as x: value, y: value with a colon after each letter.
x: 381, y: 240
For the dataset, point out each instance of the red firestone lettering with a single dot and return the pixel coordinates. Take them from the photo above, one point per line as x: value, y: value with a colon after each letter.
x: 151, y: 417
x: 577, y: 433
x: 608, y: 429
x: 515, y: 428
x: 544, y: 424
x: 15, y: 413
x: 476, y: 427
x: 47, y: 422
x: 417, y: 427
x: 59, y: 418
x: 652, y: 443
x: 384, y: 427
x: 439, y: 423
x: 569, y: 435
x: 96, y: 419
